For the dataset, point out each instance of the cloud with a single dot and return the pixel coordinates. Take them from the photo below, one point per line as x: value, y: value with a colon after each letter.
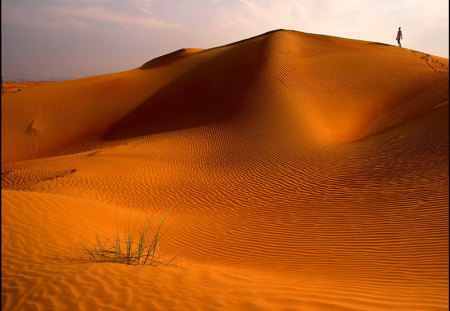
x: 63, y: 14
x: 99, y: 13
x: 37, y: 18
x: 356, y: 19
x: 90, y: 2
x: 143, y: 6
x: 269, y: 14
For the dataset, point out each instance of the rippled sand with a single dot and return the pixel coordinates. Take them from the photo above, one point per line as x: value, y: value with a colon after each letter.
x: 296, y: 172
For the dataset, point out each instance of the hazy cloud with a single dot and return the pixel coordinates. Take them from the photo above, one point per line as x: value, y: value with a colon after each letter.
x: 105, y: 15
x: 78, y: 13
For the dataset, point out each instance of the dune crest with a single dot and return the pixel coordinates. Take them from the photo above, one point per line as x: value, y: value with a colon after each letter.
x: 168, y: 58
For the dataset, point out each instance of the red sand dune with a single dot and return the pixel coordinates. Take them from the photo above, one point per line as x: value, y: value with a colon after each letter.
x: 297, y: 172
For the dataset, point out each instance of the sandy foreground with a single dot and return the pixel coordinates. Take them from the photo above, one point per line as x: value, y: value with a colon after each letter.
x: 295, y: 172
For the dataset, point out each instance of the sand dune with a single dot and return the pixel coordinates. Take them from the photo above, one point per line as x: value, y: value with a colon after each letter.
x: 297, y: 172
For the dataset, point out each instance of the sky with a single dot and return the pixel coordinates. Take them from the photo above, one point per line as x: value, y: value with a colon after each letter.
x: 67, y: 39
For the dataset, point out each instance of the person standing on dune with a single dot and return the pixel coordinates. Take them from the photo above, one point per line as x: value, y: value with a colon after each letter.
x: 399, y: 36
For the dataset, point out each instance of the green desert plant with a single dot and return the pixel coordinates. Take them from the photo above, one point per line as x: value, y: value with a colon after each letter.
x: 138, y: 244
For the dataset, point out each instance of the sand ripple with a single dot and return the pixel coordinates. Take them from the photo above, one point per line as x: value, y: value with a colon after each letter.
x: 296, y: 172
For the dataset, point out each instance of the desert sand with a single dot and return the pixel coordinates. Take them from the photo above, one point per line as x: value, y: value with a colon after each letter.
x: 12, y: 87
x: 295, y: 172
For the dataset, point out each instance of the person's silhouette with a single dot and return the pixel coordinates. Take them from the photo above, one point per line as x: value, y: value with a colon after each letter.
x: 399, y: 36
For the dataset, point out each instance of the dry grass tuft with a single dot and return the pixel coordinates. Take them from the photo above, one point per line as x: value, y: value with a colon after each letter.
x: 137, y: 245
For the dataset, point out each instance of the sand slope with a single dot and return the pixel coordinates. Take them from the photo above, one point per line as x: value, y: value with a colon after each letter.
x: 297, y: 172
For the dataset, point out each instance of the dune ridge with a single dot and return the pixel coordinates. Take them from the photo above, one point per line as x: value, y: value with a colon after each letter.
x: 296, y: 172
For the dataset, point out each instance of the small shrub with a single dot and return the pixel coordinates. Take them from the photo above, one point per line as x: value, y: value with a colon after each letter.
x: 138, y: 245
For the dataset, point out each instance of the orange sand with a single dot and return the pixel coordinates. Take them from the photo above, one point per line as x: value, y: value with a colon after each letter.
x: 297, y: 172
x: 11, y: 87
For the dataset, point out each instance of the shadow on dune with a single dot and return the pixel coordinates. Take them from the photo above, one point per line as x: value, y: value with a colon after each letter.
x: 167, y: 58
x: 211, y: 92
x: 181, y: 53
x: 379, y: 43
